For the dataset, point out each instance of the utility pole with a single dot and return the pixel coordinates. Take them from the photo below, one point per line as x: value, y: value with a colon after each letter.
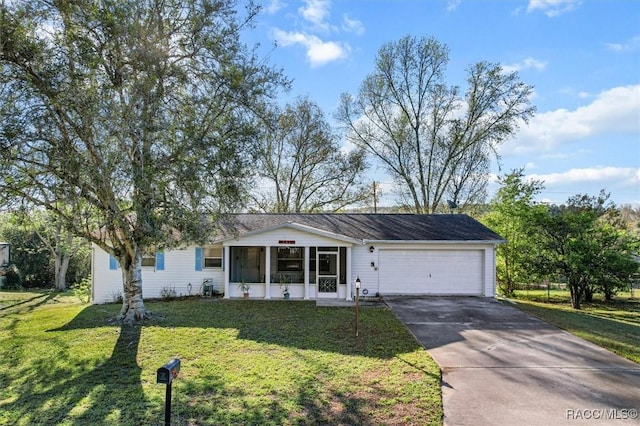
x: 375, y: 198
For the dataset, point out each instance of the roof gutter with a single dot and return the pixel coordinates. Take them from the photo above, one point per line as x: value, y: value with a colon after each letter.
x: 435, y: 242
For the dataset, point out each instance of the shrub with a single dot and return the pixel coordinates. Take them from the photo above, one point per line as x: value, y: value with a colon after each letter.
x: 168, y: 292
x: 82, y: 290
x: 12, y: 280
x: 116, y: 297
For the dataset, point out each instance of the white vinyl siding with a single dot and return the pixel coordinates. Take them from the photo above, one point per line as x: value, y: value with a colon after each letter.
x: 404, y: 268
x: 178, y: 273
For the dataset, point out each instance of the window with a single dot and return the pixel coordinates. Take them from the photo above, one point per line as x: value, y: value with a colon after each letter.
x: 290, y: 259
x: 247, y: 264
x: 213, y: 257
x: 149, y: 257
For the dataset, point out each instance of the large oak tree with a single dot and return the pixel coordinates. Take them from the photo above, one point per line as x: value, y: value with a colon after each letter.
x: 435, y: 142
x: 130, y: 119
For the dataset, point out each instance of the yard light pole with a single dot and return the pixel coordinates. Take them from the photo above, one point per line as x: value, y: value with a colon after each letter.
x: 358, y: 282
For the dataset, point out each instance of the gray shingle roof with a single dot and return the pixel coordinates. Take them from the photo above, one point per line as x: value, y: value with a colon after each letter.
x: 370, y: 227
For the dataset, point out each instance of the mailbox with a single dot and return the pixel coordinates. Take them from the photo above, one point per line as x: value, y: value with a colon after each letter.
x: 169, y: 371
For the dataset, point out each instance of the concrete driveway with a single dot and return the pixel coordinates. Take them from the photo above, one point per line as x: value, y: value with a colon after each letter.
x: 501, y: 366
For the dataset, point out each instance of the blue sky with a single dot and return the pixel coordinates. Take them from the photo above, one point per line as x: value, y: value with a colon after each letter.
x: 582, y: 57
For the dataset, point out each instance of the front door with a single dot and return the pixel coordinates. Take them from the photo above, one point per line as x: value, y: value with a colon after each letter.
x: 327, y: 270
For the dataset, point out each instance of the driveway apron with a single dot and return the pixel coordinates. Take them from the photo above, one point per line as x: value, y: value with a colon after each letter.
x: 501, y: 366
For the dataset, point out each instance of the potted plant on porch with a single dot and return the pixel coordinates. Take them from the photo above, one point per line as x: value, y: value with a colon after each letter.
x: 284, y: 284
x: 245, y: 289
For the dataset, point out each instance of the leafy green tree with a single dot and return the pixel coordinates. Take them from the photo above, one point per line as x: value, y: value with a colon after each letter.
x: 510, y: 215
x: 435, y: 142
x: 130, y: 120
x: 577, y: 243
x: 614, y: 265
x: 29, y: 256
x: 303, y: 166
x: 45, y: 254
x: 66, y: 252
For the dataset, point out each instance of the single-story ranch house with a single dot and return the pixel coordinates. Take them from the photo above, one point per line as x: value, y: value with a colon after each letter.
x: 320, y: 256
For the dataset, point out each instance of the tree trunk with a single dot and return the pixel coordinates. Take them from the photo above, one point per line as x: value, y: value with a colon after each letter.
x: 61, y: 267
x: 133, y: 308
x: 588, y: 293
x: 608, y: 293
x: 60, y: 252
x: 576, y: 295
x: 510, y: 286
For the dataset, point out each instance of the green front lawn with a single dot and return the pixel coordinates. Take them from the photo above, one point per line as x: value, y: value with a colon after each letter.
x: 614, y: 325
x: 243, y: 362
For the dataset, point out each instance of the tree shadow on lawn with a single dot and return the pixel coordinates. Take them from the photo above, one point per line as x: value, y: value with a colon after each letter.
x: 295, y: 324
x: 31, y: 303
x: 112, y: 392
x: 52, y: 391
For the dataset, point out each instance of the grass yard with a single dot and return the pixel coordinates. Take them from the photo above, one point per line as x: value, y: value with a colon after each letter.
x: 613, y: 325
x: 243, y: 363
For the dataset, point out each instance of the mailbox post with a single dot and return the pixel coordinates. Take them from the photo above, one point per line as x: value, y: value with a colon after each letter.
x: 165, y: 375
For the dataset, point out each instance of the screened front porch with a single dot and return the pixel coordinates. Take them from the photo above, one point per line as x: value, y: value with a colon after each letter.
x: 306, y: 272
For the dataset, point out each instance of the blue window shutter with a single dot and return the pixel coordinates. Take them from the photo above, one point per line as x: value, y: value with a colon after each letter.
x: 199, y: 252
x: 113, y: 263
x: 160, y: 261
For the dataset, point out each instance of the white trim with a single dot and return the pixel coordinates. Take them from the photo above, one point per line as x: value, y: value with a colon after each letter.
x: 267, y: 272
x: 307, y: 254
x: 349, y: 278
x: 296, y: 226
x: 227, y: 270
x: 435, y: 242
x: 93, y: 272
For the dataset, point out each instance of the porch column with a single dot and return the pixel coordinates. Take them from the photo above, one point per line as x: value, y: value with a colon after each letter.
x: 349, y: 278
x: 307, y: 253
x: 226, y: 256
x: 267, y: 272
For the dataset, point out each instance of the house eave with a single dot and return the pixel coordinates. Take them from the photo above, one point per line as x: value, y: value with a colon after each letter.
x: 435, y: 242
x: 290, y: 225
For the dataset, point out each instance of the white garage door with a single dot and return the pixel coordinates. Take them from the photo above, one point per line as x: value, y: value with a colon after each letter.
x: 431, y: 272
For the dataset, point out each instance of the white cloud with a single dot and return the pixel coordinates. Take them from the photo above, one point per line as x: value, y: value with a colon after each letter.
x: 631, y: 44
x: 274, y: 6
x: 319, y: 52
x: 311, y: 31
x: 553, y: 8
x: 453, y: 5
x: 627, y: 176
x: 352, y: 25
x: 572, y: 92
x: 316, y: 12
x: 566, y: 155
x: 614, y: 111
x: 527, y: 63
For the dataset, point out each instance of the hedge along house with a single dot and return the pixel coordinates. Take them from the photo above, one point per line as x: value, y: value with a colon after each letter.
x: 319, y: 256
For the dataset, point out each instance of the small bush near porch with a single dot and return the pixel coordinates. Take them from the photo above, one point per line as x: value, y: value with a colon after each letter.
x: 243, y: 362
